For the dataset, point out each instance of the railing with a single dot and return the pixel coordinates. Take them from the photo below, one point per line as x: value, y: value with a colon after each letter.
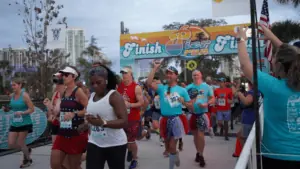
x: 247, y: 159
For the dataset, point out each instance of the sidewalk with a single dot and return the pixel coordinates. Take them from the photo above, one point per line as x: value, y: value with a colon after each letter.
x: 217, y: 154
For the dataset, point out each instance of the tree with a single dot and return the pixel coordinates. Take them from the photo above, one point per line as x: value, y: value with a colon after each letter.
x: 90, y: 54
x: 5, y: 70
x: 291, y: 30
x: 296, y: 3
x: 207, y: 64
x: 37, y: 17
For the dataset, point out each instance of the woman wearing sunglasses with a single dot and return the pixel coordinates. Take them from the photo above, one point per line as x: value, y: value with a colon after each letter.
x: 70, y: 140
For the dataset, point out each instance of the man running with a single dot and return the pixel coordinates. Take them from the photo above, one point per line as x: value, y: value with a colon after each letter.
x: 204, y: 98
x: 172, y: 97
x: 134, y: 100
x: 223, y: 106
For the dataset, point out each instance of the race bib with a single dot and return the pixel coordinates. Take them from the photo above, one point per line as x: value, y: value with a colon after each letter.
x: 17, y: 119
x: 173, y: 99
x: 64, y: 124
x: 221, y: 102
x: 99, y: 132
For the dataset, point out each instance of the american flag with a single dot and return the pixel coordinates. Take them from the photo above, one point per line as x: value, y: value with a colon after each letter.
x: 265, y: 20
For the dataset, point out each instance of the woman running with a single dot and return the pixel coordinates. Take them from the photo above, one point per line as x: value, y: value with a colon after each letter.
x: 70, y: 140
x: 21, y: 107
x: 107, y: 139
x: 53, y: 106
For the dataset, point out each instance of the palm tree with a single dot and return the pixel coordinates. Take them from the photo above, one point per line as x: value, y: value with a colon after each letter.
x: 296, y: 3
x: 291, y: 30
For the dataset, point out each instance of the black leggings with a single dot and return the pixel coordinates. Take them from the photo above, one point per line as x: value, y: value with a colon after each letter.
x: 269, y: 163
x: 97, y: 156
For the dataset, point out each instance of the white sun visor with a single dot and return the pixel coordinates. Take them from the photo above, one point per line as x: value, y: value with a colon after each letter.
x: 69, y: 70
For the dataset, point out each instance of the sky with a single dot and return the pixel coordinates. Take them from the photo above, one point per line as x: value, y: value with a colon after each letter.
x: 102, y: 18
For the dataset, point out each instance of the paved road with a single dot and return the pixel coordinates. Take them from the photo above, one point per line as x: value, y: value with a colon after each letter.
x: 217, y: 154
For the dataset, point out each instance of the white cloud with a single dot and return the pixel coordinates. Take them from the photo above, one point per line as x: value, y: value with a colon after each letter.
x: 102, y: 18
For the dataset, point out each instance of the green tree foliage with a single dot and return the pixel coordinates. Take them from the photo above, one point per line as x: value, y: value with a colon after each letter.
x: 296, y: 3
x: 89, y: 55
x: 37, y: 16
x: 291, y: 30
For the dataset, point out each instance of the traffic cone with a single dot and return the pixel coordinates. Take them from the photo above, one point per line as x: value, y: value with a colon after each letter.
x: 238, y: 148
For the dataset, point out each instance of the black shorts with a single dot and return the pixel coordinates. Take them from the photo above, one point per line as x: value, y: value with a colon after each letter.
x: 54, y: 129
x: 25, y: 128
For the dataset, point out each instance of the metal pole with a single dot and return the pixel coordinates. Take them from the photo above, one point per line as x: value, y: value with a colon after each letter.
x: 255, y: 84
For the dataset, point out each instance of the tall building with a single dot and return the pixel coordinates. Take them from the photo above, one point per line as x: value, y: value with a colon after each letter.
x: 75, y: 44
x: 234, y: 70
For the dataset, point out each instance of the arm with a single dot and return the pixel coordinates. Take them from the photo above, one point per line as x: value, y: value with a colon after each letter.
x: 270, y: 36
x: 28, y: 103
x: 150, y: 82
x: 117, y: 102
x: 139, y: 97
x: 82, y: 99
x: 211, y: 97
x: 246, y: 100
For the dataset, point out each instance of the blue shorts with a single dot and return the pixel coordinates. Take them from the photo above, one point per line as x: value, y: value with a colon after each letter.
x: 224, y: 115
x: 174, y: 128
x: 156, y: 116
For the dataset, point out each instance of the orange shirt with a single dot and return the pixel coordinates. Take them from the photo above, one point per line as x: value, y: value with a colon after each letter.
x: 222, y: 96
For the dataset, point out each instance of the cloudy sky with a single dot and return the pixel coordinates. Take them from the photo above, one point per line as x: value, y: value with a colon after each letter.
x: 101, y: 18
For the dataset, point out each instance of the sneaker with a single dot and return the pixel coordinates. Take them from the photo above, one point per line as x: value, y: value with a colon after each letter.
x: 129, y: 156
x: 177, y: 160
x: 161, y: 141
x: 133, y: 164
x: 201, y: 161
x: 211, y: 133
x: 197, y: 158
x: 26, y: 163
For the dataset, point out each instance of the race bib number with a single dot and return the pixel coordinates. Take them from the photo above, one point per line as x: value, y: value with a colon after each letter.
x: 173, y: 100
x: 64, y: 124
x: 98, y: 132
x: 221, y: 102
x: 17, y: 119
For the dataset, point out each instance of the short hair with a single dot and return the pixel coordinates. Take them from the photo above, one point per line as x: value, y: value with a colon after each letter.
x: 111, y: 77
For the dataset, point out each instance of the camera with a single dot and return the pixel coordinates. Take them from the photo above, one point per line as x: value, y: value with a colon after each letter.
x: 57, y: 80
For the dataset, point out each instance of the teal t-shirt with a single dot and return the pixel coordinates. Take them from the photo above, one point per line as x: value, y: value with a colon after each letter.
x: 19, y: 105
x: 281, y: 133
x: 169, y: 103
x: 204, y: 92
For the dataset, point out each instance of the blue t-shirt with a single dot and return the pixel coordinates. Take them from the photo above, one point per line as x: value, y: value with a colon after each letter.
x: 248, y: 114
x: 281, y: 118
x: 204, y: 92
x: 169, y: 103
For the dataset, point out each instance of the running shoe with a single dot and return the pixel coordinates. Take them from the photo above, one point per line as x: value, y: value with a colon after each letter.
x: 133, y: 164
x: 161, y: 140
x: 197, y: 158
x: 201, y: 161
x: 180, y: 145
x: 26, y: 163
x: 211, y: 132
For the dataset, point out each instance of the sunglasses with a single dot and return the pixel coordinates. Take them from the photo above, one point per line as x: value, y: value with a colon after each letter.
x: 66, y: 74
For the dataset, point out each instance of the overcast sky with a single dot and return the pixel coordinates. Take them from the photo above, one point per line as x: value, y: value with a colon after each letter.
x: 102, y: 18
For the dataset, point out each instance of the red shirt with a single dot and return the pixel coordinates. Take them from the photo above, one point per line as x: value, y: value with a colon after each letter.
x: 222, y: 96
x: 128, y: 93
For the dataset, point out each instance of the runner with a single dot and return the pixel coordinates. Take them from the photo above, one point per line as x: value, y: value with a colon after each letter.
x: 133, y: 96
x: 107, y: 140
x: 172, y: 97
x: 70, y: 141
x: 21, y: 125
x: 53, y: 106
x: 198, y: 125
x: 223, y: 106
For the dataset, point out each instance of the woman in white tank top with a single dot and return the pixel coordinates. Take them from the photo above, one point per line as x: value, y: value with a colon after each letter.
x: 107, y: 116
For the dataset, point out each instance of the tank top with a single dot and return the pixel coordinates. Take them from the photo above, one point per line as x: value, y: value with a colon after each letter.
x: 19, y: 105
x: 69, y: 104
x: 105, y: 137
x: 128, y: 93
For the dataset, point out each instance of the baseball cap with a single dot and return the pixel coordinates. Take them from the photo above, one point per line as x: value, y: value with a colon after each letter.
x: 126, y: 70
x: 172, y: 69
x: 69, y: 70
x: 297, y: 44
